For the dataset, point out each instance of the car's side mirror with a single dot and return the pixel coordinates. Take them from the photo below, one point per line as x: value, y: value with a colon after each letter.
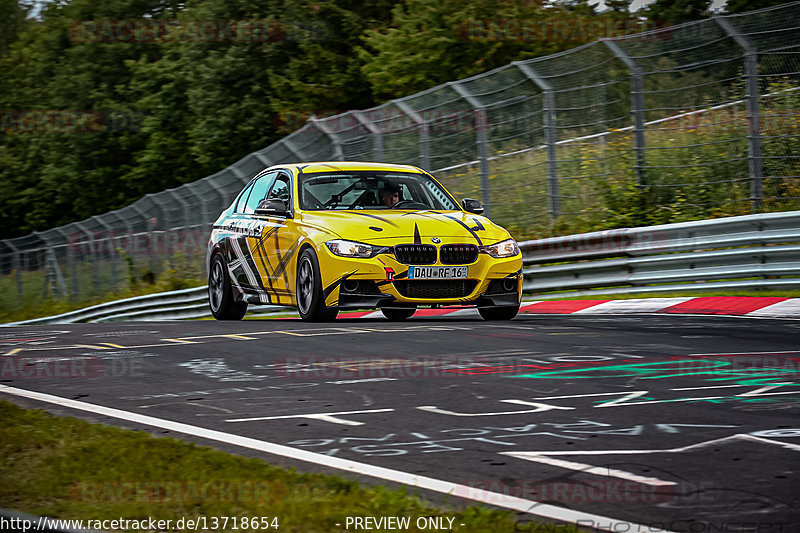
x: 473, y: 206
x: 272, y: 207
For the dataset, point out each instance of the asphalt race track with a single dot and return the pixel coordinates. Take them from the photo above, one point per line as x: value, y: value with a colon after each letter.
x: 621, y: 423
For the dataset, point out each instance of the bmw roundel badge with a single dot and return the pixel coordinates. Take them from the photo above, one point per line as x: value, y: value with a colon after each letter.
x: 436, y: 240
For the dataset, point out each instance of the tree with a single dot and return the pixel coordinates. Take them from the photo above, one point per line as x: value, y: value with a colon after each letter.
x: 13, y: 20
x: 435, y: 41
x: 169, y: 110
x: 741, y: 6
x: 671, y: 12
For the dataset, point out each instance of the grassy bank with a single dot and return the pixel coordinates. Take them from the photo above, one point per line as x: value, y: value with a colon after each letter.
x: 69, y: 468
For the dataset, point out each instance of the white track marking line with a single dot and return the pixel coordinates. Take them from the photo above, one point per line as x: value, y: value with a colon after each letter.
x: 427, y: 483
x: 596, y: 470
x: 697, y: 446
x: 586, y: 395
x: 325, y: 417
x: 744, y: 353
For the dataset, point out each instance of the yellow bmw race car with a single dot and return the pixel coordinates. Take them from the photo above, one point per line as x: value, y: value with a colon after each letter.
x: 329, y: 236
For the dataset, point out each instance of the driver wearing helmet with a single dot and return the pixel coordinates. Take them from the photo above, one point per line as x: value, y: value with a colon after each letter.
x: 390, y: 194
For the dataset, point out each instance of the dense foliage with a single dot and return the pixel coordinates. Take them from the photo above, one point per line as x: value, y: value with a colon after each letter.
x: 140, y: 115
x: 92, y: 117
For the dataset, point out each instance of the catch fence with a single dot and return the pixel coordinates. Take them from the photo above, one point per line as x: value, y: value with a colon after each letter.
x: 682, y: 123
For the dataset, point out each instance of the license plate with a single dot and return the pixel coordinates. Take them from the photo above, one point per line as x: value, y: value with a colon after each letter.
x: 437, y: 272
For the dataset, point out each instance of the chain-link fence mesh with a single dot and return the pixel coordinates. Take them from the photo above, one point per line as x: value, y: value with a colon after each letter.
x: 693, y: 121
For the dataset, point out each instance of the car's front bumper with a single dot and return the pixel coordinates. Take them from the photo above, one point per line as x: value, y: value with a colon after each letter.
x: 382, y: 281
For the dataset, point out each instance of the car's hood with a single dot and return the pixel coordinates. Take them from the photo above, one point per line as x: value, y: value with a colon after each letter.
x: 379, y: 226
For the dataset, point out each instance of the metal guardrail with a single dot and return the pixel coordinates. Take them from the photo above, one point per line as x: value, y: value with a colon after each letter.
x: 708, y: 254
x: 172, y: 305
x: 711, y: 254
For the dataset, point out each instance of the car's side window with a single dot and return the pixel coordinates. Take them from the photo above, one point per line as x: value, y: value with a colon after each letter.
x: 258, y: 193
x: 240, y: 201
x: 282, y: 190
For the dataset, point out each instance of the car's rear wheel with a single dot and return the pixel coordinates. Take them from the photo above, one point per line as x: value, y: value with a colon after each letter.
x: 396, y: 314
x: 310, y: 300
x: 220, y: 293
x: 506, y: 312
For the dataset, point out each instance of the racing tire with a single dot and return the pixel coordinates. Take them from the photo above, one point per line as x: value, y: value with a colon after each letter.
x: 220, y: 293
x: 308, y: 290
x: 506, y: 312
x: 396, y: 314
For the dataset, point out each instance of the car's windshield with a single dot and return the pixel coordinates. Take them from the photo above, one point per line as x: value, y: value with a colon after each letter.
x: 372, y: 190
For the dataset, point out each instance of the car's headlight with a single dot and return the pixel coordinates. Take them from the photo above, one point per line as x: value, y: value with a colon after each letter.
x: 354, y: 249
x: 506, y: 248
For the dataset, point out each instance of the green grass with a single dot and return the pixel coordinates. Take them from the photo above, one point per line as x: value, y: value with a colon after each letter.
x: 132, y: 280
x: 68, y: 468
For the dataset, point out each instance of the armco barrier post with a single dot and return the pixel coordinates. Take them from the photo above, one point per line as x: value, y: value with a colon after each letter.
x: 637, y: 107
x: 550, y: 135
x: 755, y: 161
x: 482, y: 142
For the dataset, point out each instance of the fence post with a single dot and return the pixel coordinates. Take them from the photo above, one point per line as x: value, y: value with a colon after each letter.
x: 482, y: 142
x: 292, y: 149
x: 637, y: 107
x: 239, y: 173
x: 424, y: 157
x: 17, y: 272
x: 755, y: 162
x: 204, y: 222
x: 550, y: 135
x: 338, y: 154
x: 92, y: 256
x: 377, y: 136
x: 111, y: 252
x: 72, y: 293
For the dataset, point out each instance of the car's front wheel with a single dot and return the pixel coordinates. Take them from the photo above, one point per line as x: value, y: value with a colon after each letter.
x: 220, y: 294
x: 396, y: 314
x: 310, y: 300
x: 506, y: 312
